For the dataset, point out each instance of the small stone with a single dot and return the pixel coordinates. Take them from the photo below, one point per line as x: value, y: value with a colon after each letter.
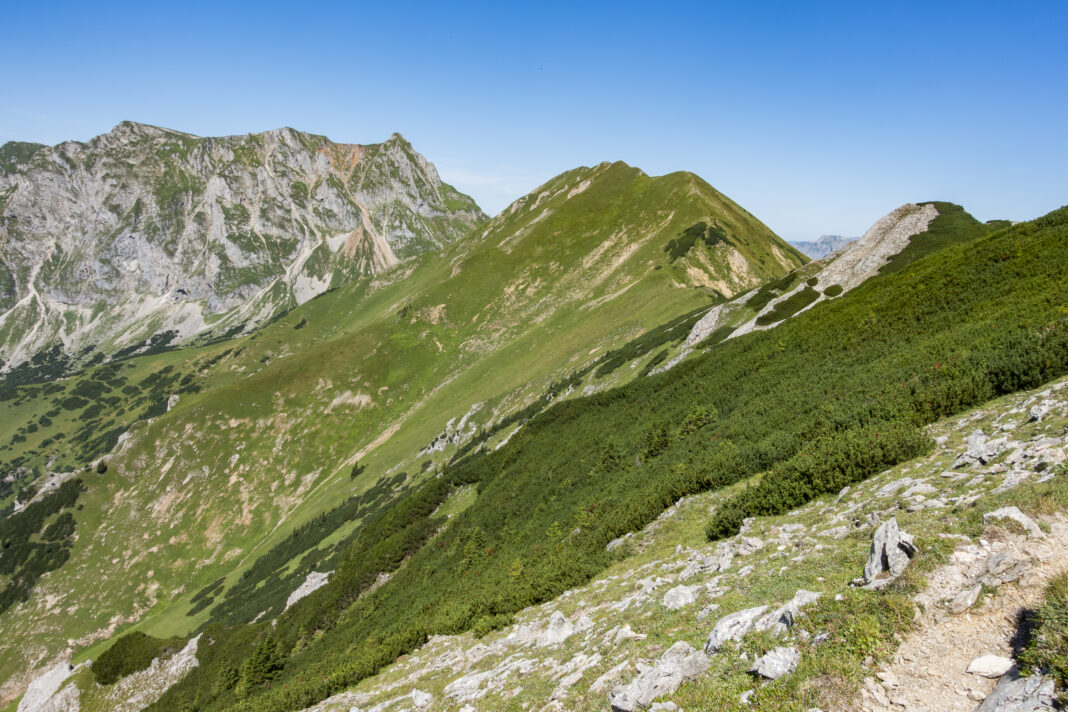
x: 776, y: 663
x: 965, y: 599
x: 990, y: 666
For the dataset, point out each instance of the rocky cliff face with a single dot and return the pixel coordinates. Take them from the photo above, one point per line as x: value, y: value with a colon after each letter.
x: 146, y: 230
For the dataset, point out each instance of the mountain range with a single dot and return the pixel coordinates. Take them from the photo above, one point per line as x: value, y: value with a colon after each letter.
x: 278, y: 412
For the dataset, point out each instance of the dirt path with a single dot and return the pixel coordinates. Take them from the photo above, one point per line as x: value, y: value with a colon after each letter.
x: 929, y: 671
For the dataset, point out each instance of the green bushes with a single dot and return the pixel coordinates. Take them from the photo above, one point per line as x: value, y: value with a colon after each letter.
x: 131, y: 653
x: 22, y: 559
x: 681, y: 245
x: 833, y: 291
x: 789, y: 306
x: 827, y: 464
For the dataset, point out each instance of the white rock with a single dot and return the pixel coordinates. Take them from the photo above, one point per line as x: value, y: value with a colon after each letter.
x: 733, y: 627
x: 776, y: 663
x: 41, y: 689
x: 680, y: 597
x: 679, y: 664
x: 990, y: 666
x: 312, y: 582
x: 558, y: 630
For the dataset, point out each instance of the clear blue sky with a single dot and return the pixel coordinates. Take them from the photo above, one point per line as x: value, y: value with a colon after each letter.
x: 818, y: 117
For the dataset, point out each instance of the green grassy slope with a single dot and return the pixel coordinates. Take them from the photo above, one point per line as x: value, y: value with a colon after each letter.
x: 266, y: 429
x: 850, y: 379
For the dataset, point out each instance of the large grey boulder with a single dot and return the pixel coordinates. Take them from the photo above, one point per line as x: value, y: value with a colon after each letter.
x: 980, y: 450
x: 1020, y: 694
x: 680, y: 663
x: 747, y: 545
x: 733, y: 627
x: 891, y: 551
x: 776, y: 663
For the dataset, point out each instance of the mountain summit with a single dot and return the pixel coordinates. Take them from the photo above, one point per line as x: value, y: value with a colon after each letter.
x: 146, y: 231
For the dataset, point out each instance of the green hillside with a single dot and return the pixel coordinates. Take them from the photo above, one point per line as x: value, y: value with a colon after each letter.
x: 280, y: 443
x: 848, y: 382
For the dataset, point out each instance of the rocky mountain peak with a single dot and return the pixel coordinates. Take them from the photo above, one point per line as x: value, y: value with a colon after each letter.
x: 145, y: 230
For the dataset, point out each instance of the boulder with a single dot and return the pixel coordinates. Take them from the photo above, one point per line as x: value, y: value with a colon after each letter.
x: 680, y: 663
x: 558, y: 630
x: 680, y: 597
x: 733, y: 627
x: 776, y: 663
x: 1014, y: 514
x: 1037, y: 412
x: 421, y: 699
x: 747, y: 545
x: 990, y: 666
x: 891, y: 551
x: 1020, y: 694
x: 980, y: 450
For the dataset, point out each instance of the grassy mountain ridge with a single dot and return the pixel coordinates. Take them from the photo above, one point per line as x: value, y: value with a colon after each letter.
x: 266, y: 429
x: 949, y: 331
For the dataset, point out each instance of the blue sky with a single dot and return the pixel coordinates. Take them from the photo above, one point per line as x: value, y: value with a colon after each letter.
x: 817, y: 117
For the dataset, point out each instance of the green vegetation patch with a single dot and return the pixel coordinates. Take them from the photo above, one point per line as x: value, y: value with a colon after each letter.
x: 681, y: 245
x: 1047, y: 650
x: 131, y: 653
x: 34, y: 541
x: 789, y: 306
x: 14, y: 153
x: 771, y: 290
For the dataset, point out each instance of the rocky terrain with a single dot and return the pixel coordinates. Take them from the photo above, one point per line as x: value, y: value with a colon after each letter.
x: 144, y: 231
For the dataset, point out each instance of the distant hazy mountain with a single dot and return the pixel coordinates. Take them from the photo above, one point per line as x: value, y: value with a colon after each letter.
x: 823, y: 246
